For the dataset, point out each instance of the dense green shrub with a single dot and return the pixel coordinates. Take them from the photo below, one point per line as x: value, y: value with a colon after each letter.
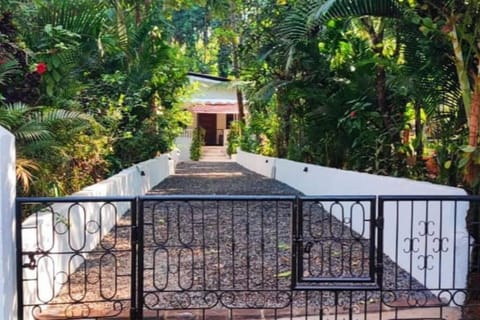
x: 198, y: 140
x: 233, y: 138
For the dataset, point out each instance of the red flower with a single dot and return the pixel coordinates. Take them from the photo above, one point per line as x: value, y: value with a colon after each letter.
x: 41, y: 68
x: 353, y: 114
x: 447, y: 28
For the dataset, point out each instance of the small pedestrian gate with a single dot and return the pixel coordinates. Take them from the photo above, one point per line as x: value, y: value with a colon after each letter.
x: 242, y: 257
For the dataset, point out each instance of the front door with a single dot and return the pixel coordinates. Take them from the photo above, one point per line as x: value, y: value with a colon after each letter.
x: 208, y: 121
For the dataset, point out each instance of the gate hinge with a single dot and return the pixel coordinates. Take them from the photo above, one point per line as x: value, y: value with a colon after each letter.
x: 379, y: 222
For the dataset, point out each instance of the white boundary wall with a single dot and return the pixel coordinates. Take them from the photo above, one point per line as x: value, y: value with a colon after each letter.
x: 444, y: 219
x: 8, y: 289
x: 58, y: 237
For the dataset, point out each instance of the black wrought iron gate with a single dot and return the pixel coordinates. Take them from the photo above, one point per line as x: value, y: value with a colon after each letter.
x: 238, y: 257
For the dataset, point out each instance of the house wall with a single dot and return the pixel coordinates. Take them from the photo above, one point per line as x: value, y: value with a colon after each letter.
x: 403, y: 220
x: 195, y: 120
x: 8, y: 289
x: 221, y: 125
x: 221, y: 121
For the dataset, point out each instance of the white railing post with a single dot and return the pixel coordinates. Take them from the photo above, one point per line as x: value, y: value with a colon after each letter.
x: 8, y: 288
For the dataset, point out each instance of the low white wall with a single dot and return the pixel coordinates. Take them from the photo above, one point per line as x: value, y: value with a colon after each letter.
x: 403, y: 221
x: 8, y: 289
x: 75, y: 222
x: 260, y: 164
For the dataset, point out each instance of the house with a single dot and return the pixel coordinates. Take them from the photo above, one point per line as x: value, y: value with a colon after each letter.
x: 214, y: 106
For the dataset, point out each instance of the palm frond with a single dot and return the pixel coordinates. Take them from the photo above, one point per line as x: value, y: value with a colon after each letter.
x: 333, y: 9
x: 31, y: 124
x: 8, y: 69
x: 31, y: 131
x: 24, y: 171
x: 293, y: 31
x: 294, y: 28
x: 81, y: 17
x: 434, y: 76
x: 50, y: 115
x: 11, y: 114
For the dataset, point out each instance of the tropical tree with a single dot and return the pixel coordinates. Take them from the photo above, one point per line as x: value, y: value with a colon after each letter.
x: 445, y: 20
x: 32, y: 127
x: 110, y: 59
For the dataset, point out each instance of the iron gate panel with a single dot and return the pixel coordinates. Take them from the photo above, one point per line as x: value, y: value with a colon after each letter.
x: 336, y: 246
x: 213, y: 253
x: 245, y: 256
x: 76, y: 257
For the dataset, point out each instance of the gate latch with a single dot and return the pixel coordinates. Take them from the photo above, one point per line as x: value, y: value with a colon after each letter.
x: 32, y: 264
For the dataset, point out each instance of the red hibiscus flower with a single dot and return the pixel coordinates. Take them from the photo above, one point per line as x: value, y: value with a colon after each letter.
x: 353, y: 114
x: 41, y: 68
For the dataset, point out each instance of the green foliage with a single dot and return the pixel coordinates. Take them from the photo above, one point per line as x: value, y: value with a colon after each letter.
x: 233, y: 138
x: 43, y: 136
x: 333, y: 82
x: 108, y: 59
x: 198, y: 140
x: 330, y: 83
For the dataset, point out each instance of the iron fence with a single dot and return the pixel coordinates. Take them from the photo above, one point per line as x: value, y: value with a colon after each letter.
x: 246, y: 257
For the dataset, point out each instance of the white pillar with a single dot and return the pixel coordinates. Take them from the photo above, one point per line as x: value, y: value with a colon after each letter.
x: 8, y: 288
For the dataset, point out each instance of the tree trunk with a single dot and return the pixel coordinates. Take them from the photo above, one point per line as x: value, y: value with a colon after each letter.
x: 284, y: 127
x: 381, y: 79
x: 148, y: 5
x: 418, y: 133
x: 138, y: 13
x: 376, y: 39
x: 473, y: 169
x: 463, y: 79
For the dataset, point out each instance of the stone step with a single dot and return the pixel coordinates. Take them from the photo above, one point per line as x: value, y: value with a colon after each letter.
x: 213, y: 154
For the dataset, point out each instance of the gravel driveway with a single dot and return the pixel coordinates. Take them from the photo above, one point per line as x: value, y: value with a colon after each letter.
x: 207, y: 256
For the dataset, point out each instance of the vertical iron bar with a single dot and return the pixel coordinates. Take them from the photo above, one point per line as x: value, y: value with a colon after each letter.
x: 373, y: 224
x: 133, y: 247
x: 297, y: 241
x: 397, y: 239
x: 204, y: 248
x: 427, y: 222
x: 380, y: 222
x: 140, y: 252
x: 412, y: 246
x: 440, y: 243
x: 232, y: 230
x: 219, y: 275
x: 262, y: 244
x: 277, y: 243
x: 19, y: 248
x: 455, y: 244
x: 248, y: 244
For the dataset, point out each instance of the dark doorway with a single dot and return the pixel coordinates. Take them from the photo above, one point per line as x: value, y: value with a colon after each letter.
x: 208, y: 121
